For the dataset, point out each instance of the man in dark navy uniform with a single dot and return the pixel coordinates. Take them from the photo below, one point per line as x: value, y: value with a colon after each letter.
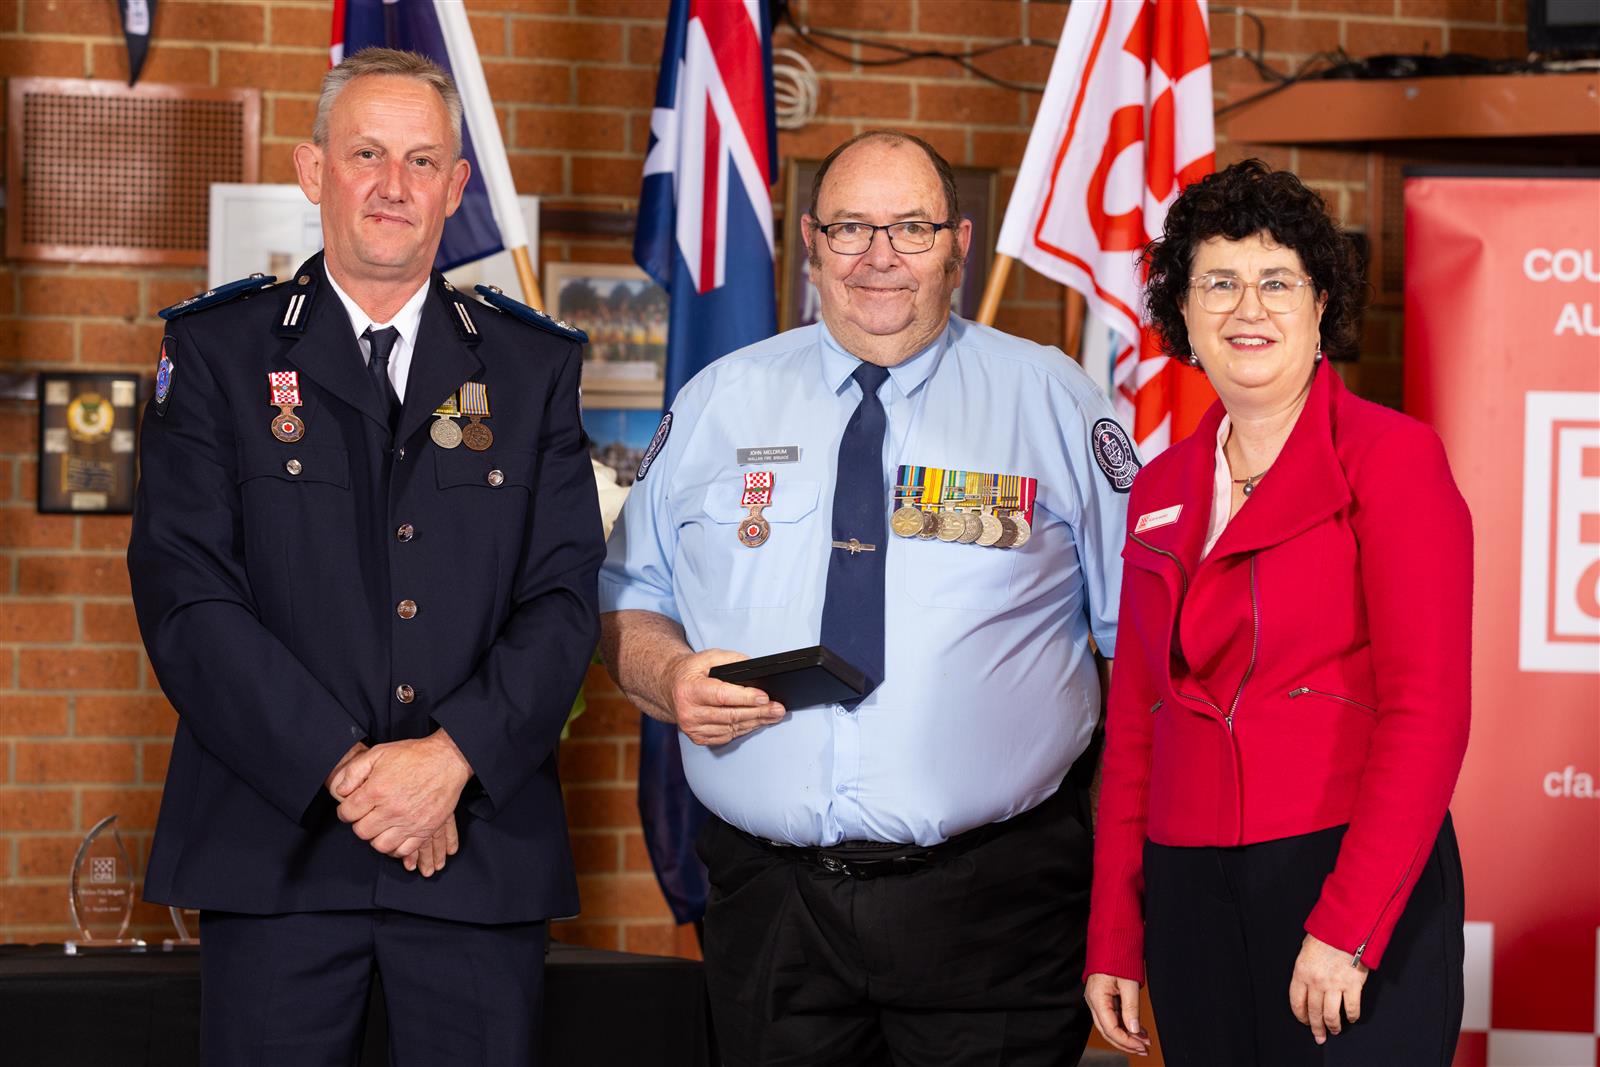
x: 363, y: 558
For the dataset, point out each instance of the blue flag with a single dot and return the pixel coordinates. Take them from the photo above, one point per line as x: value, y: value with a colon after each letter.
x: 705, y: 235
x: 413, y: 26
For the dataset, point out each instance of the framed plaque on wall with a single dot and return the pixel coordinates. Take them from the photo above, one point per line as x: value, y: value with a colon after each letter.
x: 87, y: 424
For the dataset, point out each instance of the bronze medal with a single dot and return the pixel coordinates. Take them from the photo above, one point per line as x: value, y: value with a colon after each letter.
x: 754, y: 531
x: 1008, y: 533
x: 991, y: 530
x: 288, y: 427
x: 906, y: 522
x: 1024, y: 531
x: 930, y: 526
x: 476, y: 436
x: 951, y: 526
x: 475, y: 406
x: 972, y: 528
x: 445, y: 433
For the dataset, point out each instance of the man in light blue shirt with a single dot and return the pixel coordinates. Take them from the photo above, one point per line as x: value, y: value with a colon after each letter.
x: 909, y: 871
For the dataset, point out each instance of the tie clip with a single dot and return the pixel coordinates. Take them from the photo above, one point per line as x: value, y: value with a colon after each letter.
x: 854, y: 546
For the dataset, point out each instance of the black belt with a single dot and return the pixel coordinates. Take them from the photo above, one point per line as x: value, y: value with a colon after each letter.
x: 874, y: 859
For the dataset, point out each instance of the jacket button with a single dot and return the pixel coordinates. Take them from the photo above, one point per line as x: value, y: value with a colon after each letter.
x: 400, y: 453
x: 406, y: 609
x: 404, y: 694
x: 405, y: 533
x: 496, y: 478
x: 293, y: 466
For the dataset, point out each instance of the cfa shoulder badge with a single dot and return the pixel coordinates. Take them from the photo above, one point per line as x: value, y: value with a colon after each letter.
x: 1114, y: 453
x: 656, y: 444
x: 164, y: 368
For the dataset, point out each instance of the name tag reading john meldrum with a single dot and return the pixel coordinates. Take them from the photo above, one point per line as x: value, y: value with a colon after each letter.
x: 768, y: 454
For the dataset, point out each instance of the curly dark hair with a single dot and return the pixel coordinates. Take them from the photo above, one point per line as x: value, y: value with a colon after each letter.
x: 1246, y: 199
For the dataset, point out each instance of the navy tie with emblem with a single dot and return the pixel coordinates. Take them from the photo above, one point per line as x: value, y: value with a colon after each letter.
x: 382, y: 342
x: 852, y: 610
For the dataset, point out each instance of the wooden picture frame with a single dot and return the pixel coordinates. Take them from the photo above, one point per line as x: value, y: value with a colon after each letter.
x: 975, y: 187
x: 88, y: 428
x: 624, y: 313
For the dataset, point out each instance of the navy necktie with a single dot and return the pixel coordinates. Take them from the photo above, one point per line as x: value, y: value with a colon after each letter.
x: 382, y: 342
x: 852, y: 610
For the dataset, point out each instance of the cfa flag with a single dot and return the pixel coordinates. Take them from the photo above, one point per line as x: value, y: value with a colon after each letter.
x: 704, y: 235
x: 135, y: 16
x: 417, y: 26
x: 1125, y: 124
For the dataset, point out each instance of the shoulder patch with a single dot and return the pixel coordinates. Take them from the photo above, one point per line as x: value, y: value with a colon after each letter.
x: 220, y: 295
x: 164, y: 368
x: 496, y: 298
x: 656, y: 444
x: 1114, y: 453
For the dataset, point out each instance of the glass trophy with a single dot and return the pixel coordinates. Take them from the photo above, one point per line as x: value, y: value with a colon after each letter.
x: 101, y: 893
x: 186, y: 921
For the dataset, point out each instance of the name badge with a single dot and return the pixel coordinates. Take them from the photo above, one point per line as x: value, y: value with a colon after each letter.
x: 1151, y: 520
x: 768, y: 454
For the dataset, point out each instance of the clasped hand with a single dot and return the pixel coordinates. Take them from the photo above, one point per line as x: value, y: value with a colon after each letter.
x: 401, y: 797
x: 710, y: 711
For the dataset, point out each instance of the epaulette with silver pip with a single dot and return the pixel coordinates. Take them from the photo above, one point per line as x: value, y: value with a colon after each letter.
x: 220, y: 295
x: 495, y: 298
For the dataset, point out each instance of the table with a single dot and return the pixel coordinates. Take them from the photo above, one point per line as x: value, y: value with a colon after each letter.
x: 110, y: 1011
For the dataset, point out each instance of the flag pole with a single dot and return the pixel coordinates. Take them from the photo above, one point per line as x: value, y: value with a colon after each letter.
x: 485, y: 126
x: 998, y: 272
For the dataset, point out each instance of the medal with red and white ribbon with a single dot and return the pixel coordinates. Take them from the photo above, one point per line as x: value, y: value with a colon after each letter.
x: 284, y: 386
x: 754, y: 531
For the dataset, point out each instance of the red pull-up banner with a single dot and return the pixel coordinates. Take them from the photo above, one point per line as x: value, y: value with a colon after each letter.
x: 1503, y: 358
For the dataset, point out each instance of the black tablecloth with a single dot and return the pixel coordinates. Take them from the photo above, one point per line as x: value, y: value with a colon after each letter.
x: 110, y: 1011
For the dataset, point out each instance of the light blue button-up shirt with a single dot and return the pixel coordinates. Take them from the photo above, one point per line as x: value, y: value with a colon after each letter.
x: 990, y: 691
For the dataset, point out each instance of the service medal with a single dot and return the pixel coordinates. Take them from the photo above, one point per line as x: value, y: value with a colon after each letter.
x: 1024, y: 531
x: 991, y: 530
x: 284, y: 389
x: 951, y: 526
x: 754, y: 530
x: 906, y: 521
x: 972, y: 528
x: 930, y: 526
x: 1008, y: 533
x: 475, y: 406
x: 444, y: 431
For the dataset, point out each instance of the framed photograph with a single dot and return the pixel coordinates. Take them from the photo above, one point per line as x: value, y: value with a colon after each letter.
x: 274, y: 228
x: 625, y: 315
x: 975, y: 187
x: 86, y: 442
x: 619, y: 436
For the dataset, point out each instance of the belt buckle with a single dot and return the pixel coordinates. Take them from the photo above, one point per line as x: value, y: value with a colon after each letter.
x: 834, y: 866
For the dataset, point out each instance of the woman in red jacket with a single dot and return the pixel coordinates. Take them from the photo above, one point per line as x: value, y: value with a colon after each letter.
x: 1289, y: 709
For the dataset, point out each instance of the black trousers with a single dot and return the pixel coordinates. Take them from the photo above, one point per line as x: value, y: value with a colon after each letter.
x: 972, y: 960
x: 291, y: 990
x: 1223, y: 927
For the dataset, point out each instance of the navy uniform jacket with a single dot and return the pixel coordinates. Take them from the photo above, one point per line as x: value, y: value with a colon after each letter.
x: 266, y: 578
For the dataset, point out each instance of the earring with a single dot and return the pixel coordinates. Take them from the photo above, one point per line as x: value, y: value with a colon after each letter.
x: 1318, y: 357
x: 1192, y: 359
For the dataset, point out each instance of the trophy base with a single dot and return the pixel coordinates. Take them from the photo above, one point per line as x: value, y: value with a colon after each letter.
x: 171, y: 943
x: 92, y: 948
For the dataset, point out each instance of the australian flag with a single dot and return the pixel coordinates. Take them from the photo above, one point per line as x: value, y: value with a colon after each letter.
x: 705, y: 235
x: 413, y: 26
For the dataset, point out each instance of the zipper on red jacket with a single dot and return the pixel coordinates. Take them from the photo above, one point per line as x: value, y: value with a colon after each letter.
x: 1306, y: 690
x: 1361, y: 948
x: 1255, y: 643
x: 1183, y: 575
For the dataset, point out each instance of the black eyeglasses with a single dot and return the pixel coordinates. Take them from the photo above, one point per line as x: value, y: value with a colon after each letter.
x: 907, y: 238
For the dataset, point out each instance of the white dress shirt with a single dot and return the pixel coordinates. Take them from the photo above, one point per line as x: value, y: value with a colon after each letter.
x: 407, y: 320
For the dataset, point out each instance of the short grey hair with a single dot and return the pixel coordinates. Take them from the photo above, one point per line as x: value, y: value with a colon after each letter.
x: 390, y: 61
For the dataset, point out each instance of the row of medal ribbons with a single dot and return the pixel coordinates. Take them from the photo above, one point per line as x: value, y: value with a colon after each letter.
x: 963, y: 507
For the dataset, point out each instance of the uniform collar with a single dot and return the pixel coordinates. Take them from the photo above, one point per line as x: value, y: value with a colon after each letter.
x: 838, y: 364
x: 406, y: 320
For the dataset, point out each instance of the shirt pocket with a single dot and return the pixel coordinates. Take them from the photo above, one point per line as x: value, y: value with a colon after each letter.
x: 768, y: 575
x: 943, y: 574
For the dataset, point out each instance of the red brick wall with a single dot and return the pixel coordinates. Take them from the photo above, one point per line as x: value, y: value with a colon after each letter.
x: 84, y: 731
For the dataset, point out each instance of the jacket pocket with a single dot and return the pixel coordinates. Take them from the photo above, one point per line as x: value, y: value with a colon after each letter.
x: 295, y: 463
x: 493, y: 470
x: 1307, y: 691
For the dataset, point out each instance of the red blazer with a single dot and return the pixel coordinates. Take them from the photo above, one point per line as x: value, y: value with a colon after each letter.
x: 1313, y: 670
